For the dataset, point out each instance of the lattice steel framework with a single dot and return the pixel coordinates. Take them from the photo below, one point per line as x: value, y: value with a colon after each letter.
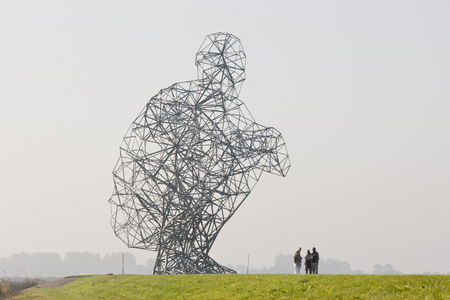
x: 189, y: 160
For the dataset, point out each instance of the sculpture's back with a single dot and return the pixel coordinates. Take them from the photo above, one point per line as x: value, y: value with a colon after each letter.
x: 189, y: 160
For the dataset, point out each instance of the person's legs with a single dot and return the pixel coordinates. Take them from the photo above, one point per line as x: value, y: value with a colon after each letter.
x: 297, y: 269
x: 314, y: 268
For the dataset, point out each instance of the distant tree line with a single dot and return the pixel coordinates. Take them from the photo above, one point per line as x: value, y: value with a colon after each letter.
x: 386, y: 269
x: 73, y: 263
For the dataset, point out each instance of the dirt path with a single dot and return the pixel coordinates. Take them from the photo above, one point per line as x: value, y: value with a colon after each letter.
x: 59, y: 282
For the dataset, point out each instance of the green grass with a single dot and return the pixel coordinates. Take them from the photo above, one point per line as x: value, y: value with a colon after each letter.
x: 267, y: 286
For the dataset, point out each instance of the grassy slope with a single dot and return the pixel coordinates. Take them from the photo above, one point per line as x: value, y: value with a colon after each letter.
x: 267, y: 286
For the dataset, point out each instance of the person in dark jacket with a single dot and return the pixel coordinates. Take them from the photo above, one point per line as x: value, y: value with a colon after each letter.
x: 297, y: 261
x: 315, y: 261
x: 308, y: 262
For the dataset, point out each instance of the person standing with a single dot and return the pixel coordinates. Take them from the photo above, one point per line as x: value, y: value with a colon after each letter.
x: 308, y: 262
x: 297, y: 261
x: 315, y: 261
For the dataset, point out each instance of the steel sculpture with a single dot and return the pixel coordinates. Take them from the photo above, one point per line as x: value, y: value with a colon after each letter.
x: 189, y: 160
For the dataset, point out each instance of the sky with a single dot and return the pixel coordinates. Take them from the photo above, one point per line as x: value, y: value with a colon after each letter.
x: 359, y: 89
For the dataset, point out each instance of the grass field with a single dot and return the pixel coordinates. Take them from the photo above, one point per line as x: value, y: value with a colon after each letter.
x: 267, y: 286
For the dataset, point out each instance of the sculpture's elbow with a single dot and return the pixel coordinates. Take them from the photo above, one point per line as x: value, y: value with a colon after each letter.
x: 275, y: 159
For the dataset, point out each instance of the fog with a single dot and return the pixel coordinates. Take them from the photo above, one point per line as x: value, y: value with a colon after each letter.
x: 359, y: 90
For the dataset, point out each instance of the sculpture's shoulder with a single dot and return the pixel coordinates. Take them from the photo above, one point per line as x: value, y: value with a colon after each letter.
x: 170, y: 100
x: 180, y: 92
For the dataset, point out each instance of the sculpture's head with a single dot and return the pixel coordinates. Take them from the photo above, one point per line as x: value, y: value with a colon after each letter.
x: 221, y: 59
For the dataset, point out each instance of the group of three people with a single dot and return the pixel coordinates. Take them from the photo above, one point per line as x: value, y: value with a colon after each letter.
x: 311, y: 261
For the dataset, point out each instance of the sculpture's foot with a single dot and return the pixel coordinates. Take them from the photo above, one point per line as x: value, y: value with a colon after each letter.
x: 180, y: 263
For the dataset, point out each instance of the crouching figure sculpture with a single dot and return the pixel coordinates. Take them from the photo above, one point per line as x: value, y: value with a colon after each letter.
x: 188, y: 162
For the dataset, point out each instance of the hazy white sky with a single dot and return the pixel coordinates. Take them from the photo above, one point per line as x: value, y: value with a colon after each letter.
x: 359, y: 89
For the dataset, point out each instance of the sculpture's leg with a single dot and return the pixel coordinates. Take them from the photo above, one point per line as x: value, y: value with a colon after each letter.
x: 171, y: 262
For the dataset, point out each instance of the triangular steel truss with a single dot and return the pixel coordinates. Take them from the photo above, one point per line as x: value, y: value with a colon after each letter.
x: 189, y: 160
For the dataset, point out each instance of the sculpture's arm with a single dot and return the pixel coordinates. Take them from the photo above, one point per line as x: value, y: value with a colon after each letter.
x: 267, y: 148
